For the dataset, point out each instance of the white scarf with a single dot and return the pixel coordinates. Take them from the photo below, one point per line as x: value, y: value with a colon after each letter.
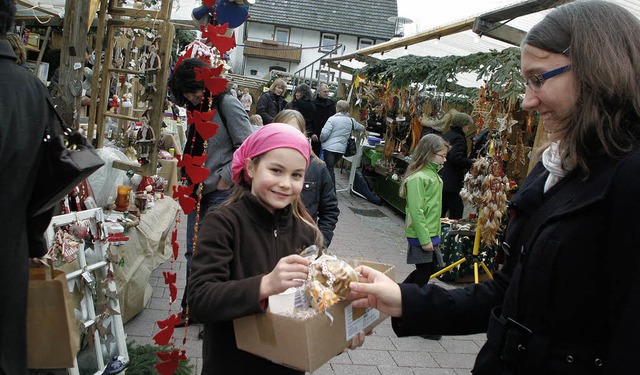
x: 552, y: 163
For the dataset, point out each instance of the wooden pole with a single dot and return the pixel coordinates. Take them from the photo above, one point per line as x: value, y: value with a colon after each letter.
x: 72, y: 58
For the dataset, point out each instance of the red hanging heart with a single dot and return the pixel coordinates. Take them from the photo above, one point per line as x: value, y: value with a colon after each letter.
x: 170, y: 279
x: 193, y: 167
x: 186, y: 201
x: 202, y: 122
x: 211, y: 78
x: 170, y: 361
x: 215, y: 36
x: 176, y: 248
x: 208, y: 3
x: 167, y: 327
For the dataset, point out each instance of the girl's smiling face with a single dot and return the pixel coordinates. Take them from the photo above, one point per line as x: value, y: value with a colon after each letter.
x: 277, y: 177
x: 556, y: 99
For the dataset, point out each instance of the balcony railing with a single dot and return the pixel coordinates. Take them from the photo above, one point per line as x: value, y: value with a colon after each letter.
x: 271, y: 49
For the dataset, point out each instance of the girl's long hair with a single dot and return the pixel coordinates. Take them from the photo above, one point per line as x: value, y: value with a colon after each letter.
x: 422, y: 155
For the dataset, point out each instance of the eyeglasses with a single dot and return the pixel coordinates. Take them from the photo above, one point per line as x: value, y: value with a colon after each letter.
x: 536, y: 81
x: 442, y: 156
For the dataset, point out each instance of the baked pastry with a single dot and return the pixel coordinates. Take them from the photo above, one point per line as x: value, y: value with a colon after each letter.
x: 328, y: 281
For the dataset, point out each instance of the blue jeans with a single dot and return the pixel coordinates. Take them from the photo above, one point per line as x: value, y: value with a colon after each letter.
x: 331, y: 159
x: 208, y: 203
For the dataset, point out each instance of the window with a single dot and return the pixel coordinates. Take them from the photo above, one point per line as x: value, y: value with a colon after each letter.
x: 328, y: 42
x: 364, y: 43
x: 282, y: 35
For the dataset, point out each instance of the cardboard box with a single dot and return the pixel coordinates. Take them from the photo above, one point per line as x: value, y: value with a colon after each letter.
x: 307, y: 344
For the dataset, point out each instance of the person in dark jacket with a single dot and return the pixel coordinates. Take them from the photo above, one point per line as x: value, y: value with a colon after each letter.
x: 272, y: 101
x: 325, y: 108
x: 456, y: 166
x: 318, y: 195
x: 25, y: 111
x: 303, y: 103
x: 566, y: 300
x: 233, y: 128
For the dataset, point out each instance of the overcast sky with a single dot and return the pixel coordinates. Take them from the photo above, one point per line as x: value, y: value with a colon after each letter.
x: 427, y: 15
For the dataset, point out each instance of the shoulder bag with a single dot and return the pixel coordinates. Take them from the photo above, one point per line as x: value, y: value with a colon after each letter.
x: 67, y: 158
x: 351, y: 144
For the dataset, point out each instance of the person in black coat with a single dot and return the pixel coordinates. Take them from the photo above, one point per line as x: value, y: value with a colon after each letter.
x: 457, y: 164
x: 318, y: 194
x: 325, y: 108
x: 25, y: 111
x: 303, y: 103
x: 566, y: 300
x: 272, y: 101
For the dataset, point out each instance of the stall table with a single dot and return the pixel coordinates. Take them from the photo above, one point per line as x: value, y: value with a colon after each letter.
x: 148, y: 247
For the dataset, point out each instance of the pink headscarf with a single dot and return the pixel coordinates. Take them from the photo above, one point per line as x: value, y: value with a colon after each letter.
x: 265, y: 139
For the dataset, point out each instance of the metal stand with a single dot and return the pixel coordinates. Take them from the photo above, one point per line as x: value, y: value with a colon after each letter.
x: 355, y: 162
x: 474, y: 257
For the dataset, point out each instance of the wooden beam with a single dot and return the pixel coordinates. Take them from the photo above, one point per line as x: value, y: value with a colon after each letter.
x: 72, y: 56
x: 36, y: 7
x: 103, y: 92
x: 454, y: 28
x: 126, y: 166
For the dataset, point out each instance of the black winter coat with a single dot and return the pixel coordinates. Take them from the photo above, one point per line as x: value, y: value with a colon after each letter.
x: 269, y: 105
x: 24, y: 111
x: 308, y: 111
x: 325, y: 108
x: 458, y: 163
x: 572, y: 280
x: 320, y: 200
x: 237, y: 245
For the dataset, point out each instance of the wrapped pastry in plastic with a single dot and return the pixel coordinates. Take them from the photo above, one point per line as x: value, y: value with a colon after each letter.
x: 328, y: 281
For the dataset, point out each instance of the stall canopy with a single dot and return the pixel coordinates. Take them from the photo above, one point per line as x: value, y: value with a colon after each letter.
x: 493, y: 29
x: 46, y: 11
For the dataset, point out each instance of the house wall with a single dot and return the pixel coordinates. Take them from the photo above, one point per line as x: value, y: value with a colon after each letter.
x: 304, y: 38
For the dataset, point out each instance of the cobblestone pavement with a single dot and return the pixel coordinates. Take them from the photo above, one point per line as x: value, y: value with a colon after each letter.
x: 364, y: 231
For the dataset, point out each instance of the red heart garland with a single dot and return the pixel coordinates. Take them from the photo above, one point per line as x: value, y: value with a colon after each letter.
x: 193, y: 166
x: 167, y: 327
x: 186, y: 201
x: 215, y: 36
x: 170, y: 279
x: 174, y: 243
x: 170, y: 361
x: 202, y: 122
x: 176, y: 248
x: 211, y: 79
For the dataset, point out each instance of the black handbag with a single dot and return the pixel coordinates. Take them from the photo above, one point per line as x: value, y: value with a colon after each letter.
x: 351, y: 144
x: 66, y: 159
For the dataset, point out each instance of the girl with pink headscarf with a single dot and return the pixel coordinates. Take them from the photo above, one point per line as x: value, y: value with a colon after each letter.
x: 247, y: 250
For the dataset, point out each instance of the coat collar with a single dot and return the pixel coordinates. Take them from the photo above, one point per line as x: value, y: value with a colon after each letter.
x: 589, y: 191
x: 6, y: 51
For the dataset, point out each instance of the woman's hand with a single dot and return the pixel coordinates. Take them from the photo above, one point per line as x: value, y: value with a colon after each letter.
x: 376, y: 290
x: 291, y: 271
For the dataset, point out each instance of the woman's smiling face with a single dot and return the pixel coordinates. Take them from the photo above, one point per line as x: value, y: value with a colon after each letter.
x: 555, y: 100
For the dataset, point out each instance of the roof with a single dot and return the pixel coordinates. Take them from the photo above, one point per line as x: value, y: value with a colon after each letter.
x: 354, y: 17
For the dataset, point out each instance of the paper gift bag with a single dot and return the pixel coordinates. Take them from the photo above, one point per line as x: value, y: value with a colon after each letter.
x: 53, y: 339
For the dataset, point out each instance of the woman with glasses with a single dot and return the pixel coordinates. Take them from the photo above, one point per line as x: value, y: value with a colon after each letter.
x: 422, y: 189
x: 567, y: 300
